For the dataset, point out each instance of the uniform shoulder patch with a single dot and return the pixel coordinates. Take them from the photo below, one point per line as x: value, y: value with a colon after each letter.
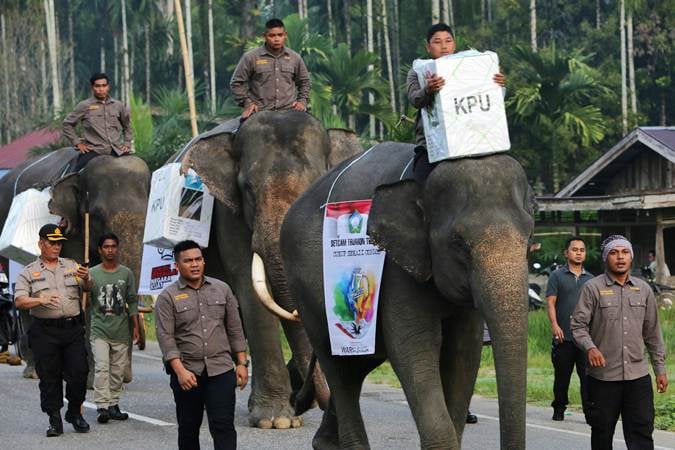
x: 181, y: 296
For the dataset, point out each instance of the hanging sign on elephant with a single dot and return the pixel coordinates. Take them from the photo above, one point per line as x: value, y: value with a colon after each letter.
x: 179, y: 208
x: 467, y: 116
x: 352, y: 269
x: 157, y: 270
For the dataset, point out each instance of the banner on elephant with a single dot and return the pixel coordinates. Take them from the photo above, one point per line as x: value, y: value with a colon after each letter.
x: 157, y: 270
x: 28, y: 213
x: 352, y: 273
x: 179, y: 208
x: 467, y: 116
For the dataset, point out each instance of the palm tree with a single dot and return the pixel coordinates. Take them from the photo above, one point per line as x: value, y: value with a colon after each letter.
x: 553, y: 102
x: 348, y: 77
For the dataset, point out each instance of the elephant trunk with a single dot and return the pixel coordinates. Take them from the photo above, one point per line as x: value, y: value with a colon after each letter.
x: 259, y: 280
x: 499, y: 287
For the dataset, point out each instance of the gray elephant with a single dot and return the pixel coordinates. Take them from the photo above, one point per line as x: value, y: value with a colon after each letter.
x: 255, y: 175
x: 118, y: 195
x: 456, y: 253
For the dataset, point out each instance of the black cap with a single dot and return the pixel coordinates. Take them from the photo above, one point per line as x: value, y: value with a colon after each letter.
x: 52, y: 232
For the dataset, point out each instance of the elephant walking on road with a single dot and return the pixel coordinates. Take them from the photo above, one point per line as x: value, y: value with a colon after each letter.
x: 456, y: 254
x: 255, y: 175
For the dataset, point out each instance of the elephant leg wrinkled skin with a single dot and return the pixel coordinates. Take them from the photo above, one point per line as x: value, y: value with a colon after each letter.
x: 421, y: 380
x: 460, y: 360
x: 268, y: 404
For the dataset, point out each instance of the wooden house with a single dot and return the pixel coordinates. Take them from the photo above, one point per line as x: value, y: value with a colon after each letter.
x: 632, y: 188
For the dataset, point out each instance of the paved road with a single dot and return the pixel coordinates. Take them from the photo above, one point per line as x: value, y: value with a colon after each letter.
x: 149, y: 399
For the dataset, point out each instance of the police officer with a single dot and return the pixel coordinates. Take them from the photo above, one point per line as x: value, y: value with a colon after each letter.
x: 51, y: 288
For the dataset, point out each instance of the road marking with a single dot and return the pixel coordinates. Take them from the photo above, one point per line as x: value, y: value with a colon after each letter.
x: 143, y: 355
x: 575, y: 433
x: 150, y: 420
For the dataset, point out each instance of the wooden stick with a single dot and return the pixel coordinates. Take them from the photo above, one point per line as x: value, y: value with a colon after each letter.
x: 86, y: 246
x: 187, y: 67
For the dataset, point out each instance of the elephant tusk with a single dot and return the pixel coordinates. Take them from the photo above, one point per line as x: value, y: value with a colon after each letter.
x: 260, y: 287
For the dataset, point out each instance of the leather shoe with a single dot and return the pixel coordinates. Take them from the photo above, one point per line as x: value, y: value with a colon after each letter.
x: 103, y: 415
x: 115, y: 413
x: 79, y: 424
x: 558, y: 415
x: 55, y: 425
x: 471, y: 418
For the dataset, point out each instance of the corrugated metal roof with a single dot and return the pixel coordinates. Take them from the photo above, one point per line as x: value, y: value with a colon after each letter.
x: 17, y: 151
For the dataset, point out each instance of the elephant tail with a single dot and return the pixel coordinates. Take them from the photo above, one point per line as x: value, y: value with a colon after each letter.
x: 304, y: 398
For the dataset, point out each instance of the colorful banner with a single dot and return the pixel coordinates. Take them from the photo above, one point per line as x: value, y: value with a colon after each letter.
x: 352, y: 269
x: 157, y: 270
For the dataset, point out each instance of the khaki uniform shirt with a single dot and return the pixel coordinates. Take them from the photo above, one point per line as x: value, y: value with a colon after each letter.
x: 37, y: 279
x: 272, y: 82
x: 619, y: 321
x: 106, y: 125
x: 199, y: 326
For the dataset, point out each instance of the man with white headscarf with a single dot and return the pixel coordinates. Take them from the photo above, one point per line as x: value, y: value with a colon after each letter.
x: 615, y: 319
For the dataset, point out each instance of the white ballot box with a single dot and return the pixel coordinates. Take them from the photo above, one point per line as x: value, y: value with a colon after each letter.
x: 28, y: 213
x: 179, y: 208
x: 467, y: 116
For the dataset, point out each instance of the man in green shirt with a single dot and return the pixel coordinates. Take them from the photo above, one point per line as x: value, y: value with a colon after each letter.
x: 113, y: 303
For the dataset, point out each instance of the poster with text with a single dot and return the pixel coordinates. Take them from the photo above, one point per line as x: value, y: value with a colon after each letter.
x: 352, y: 269
x: 157, y: 270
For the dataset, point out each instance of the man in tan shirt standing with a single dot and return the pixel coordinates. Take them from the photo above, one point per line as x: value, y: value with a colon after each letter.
x: 204, y: 349
x: 615, y: 319
x: 106, y: 124
x: 272, y: 77
x: 51, y: 288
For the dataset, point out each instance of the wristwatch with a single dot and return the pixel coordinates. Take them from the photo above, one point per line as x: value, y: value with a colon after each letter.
x: 244, y: 363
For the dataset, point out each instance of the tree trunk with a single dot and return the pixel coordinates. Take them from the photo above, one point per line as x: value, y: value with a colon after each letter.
x: 247, y: 29
x: 45, y: 81
x: 597, y: 14
x: 396, y: 35
x: 482, y: 13
x: 489, y: 11
x: 348, y: 25
x: 533, y: 25
x: 116, y: 66
x: 662, y: 112
x: 371, y: 49
x: 624, y: 99
x: 102, y: 57
x: 71, y: 52
x: 435, y: 11
x: 445, y: 12
x: 451, y: 13
x: 125, y: 56
x: 329, y: 12
x: 53, y: 56
x: 4, y: 124
x: 631, y: 67
x: 212, y: 60
x: 387, y: 52
x: 148, y: 72
x: 188, y: 36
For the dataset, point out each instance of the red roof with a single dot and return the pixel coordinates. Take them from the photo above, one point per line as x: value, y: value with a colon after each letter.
x: 17, y: 151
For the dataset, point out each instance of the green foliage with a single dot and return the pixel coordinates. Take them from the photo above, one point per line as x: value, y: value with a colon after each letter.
x: 141, y: 123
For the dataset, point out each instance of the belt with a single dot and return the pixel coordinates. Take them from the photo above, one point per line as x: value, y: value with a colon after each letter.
x: 62, y: 322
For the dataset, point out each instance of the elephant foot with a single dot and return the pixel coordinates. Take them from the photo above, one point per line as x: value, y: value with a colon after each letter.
x: 267, y: 418
x: 325, y: 443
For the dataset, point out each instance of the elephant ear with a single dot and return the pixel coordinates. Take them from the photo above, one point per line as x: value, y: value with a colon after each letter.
x: 343, y: 145
x: 212, y: 158
x: 65, y: 200
x: 396, y: 224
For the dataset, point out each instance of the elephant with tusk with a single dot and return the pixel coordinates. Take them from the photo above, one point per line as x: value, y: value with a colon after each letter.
x: 456, y: 255
x: 255, y: 175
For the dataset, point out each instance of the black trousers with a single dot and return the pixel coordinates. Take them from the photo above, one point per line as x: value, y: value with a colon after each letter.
x: 633, y: 400
x: 421, y: 165
x: 217, y: 395
x: 564, y: 356
x: 59, y: 355
x: 84, y: 158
